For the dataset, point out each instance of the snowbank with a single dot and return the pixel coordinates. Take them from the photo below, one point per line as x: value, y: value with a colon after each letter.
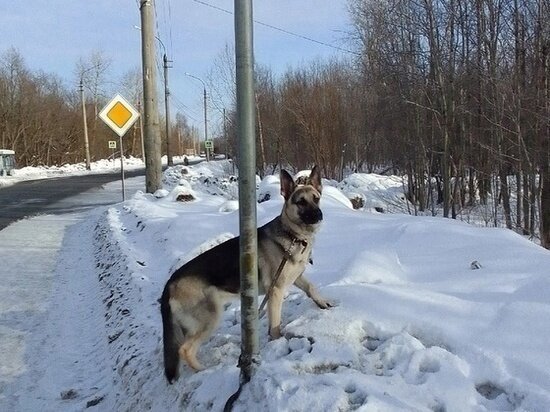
x: 376, y: 192
x: 415, y: 327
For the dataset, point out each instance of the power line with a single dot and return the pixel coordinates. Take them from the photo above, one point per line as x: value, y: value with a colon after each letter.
x: 184, y: 108
x: 167, y: 26
x: 157, y: 36
x: 186, y: 114
x: 160, y: 66
x: 156, y: 19
x: 290, y: 33
x: 178, y: 100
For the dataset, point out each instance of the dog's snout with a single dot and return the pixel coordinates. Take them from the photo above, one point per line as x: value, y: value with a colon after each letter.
x: 318, y: 214
x: 312, y: 216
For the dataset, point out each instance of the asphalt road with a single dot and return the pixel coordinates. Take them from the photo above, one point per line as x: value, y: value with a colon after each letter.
x: 44, y: 196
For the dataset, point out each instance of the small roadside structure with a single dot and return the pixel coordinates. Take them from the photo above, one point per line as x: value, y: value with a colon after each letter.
x: 7, y: 162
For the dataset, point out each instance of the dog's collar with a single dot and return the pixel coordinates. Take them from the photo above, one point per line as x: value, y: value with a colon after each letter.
x: 295, y: 240
x: 287, y: 255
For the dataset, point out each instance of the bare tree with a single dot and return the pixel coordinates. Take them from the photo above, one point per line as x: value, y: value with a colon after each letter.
x: 93, y: 71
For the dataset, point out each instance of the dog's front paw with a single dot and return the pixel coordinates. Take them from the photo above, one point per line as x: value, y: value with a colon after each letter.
x: 324, y: 304
x: 274, y: 333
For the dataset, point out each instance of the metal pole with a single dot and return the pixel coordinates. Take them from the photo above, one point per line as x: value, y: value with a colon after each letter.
x: 151, y: 135
x: 122, y: 168
x: 205, y: 114
x: 167, y: 111
x: 86, y: 141
x: 247, y: 188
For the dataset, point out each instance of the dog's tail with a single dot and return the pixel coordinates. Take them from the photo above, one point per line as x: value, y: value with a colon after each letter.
x: 171, y: 346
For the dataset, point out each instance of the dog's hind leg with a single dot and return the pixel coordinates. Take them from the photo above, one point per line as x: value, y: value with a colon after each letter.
x: 172, y: 336
x: 207, y: 314
x: 188, y: 352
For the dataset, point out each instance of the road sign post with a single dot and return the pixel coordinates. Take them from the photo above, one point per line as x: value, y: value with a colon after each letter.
x: 208, y: 148
x: 112, y: 146
x: 119, y: 115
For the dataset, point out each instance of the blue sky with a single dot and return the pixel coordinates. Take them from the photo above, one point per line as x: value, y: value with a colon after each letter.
x: 52, y: 35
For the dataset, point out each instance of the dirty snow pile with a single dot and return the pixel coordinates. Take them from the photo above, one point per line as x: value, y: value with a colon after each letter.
x: 431, y: 315
x: 44, y: 172
x: 99, y: 166
x: 377, y: 192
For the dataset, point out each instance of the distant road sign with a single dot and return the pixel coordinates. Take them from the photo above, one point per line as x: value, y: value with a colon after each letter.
x: 119, y: 115
x: 209, y: 144
x: 112, y: 144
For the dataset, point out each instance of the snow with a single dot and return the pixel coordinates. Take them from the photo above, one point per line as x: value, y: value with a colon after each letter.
x: 44, y: 172
x: 376, y: 191
x: 416, y: 326
x: 100, y: 166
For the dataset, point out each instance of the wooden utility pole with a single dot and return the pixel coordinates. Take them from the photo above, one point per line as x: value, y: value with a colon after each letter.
x: 206, y: 150
x: 151, y: 130
x: 167, y: 110
x: 86, y: 140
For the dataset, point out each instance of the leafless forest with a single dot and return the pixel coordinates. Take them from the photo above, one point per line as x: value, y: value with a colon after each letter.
x: 41, y: 116
x: 453, y: 95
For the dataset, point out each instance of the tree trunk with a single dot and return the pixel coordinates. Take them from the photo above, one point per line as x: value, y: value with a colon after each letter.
x: 261, y: 139
x: 545, y: 156
x: 545, y: 208
x: 505, y: 193
x: 525, y: 203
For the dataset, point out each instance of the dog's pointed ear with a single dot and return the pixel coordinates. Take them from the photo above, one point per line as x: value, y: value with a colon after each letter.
x: 287, y: 184
x: 315, y: 179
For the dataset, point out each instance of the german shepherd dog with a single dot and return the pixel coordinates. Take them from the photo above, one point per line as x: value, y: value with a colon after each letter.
x: 194, y: 296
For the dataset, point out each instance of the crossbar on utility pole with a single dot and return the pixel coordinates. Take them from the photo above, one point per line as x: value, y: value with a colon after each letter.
x: 246, y: 131
x: 151, y: 131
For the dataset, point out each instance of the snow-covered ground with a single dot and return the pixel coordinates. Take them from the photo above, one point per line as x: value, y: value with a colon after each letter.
x: 432, y: 314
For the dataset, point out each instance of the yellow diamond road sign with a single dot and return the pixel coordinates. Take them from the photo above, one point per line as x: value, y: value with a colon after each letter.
x: 119, y: 115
